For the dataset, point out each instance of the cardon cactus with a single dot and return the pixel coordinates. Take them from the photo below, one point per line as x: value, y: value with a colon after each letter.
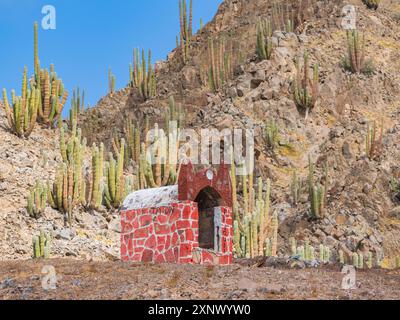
x: 52, y: 94
x: 374, y: 144
x: 143, y: 77
x: 264, y: 39
x: 37, y: 200
x: 111, y: 82
x: 317, y: 192
x: 41, y: 246
x: 186, y: 28
x: 117, y: 186
x: 305, y: 89
x: 355, y: 61
x: 22, y: 112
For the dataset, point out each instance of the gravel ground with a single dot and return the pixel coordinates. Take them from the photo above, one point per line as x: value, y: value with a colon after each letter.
x: 117, y: 280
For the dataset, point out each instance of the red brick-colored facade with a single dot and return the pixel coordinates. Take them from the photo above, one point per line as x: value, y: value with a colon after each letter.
x: 170, y: 233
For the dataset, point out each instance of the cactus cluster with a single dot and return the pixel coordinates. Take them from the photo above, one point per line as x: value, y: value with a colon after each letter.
x: 271, y: 134
x: 143, y: 77
x: 41, y: 246
x: 77, y: 105
x: 355, y: 61
x: 52, y: 94
x: 23, y: 111
x: 158, y: 164
x: 324, y: 253
x: 69, y: 188
x: 317, y: 191
x: 37, y: 199
x: 186, y: 28
x: 222, y: 58
x: 305, y: 89
x: 264, y: 39
x: 372, y: 4
x: 374, y: 144
x: 252, y: 227
x: 117, y: 186
x: 282, y: 17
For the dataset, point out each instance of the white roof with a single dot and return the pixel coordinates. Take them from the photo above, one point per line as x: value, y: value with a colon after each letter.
x: 151, y: 198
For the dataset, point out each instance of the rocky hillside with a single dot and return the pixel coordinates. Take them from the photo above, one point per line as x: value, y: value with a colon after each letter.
x: 362, y: 210
x: 22, y: 162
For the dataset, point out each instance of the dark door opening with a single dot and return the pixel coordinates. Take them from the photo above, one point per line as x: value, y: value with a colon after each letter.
x: 207, y: 200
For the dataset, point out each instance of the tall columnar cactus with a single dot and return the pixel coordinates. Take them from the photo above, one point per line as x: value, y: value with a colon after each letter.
x: 374, y: 144
x: 317, y: 192
x: 221, y: 62
x: 37, y: 200
x: 372, y: 4
x: 41, y: 246
x: 271, y: 134
x: 186, y: 28
x: 355, y: 260
x: 22, y: 113
x: 264, y: 39
x: 159, y: 161
x: 355, y: 59
x: 341, y: 257
x: 77, y: 105
x: 111, y: 82
x: 283, y: 17
x: 52, y: 94
x: 305, y: 89
x: 143, y: 77
x: 96, y: 180
x: 117, y: 185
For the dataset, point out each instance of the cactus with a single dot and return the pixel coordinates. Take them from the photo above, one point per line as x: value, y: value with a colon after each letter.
x: 111, y: 82
x: 77, y: 105
x: 306, y: 90
x: 355, y: 61
x: 185, y: 35
x: 317, y: 192
x: 271, y: 134
x: 355, y: 260
x: 361, y: 261
x: 397, y: 262
x: 341, y: 257
x: 52, y: 96
x: 370, y: 261
x: 374, y: 144
x: 41, y: 246
x: 143, y: 76
x: 301, y: 252
x: 95, y: 192
x: 22, y: 113
x: 264, y: 39
x: 220, y: 63
x: 283, y: 17
x: 116, y: 186
x: 372, y: 4
x: 37, y: 200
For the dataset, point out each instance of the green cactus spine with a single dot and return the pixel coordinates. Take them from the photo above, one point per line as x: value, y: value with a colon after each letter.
x: 264, y: 39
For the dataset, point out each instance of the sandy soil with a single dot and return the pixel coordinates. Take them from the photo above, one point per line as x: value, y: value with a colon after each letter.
x: 117, y: 280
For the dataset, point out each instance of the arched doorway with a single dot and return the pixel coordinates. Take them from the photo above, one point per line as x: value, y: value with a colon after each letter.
x: 209, y: 225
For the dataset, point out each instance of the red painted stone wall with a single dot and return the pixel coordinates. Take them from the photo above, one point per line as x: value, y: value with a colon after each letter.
x: 170, y: 234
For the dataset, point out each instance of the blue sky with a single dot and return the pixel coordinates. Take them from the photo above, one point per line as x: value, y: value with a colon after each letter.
x: 90, y: 37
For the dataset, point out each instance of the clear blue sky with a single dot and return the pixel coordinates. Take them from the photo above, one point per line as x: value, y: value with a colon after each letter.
x: 91, y: 36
